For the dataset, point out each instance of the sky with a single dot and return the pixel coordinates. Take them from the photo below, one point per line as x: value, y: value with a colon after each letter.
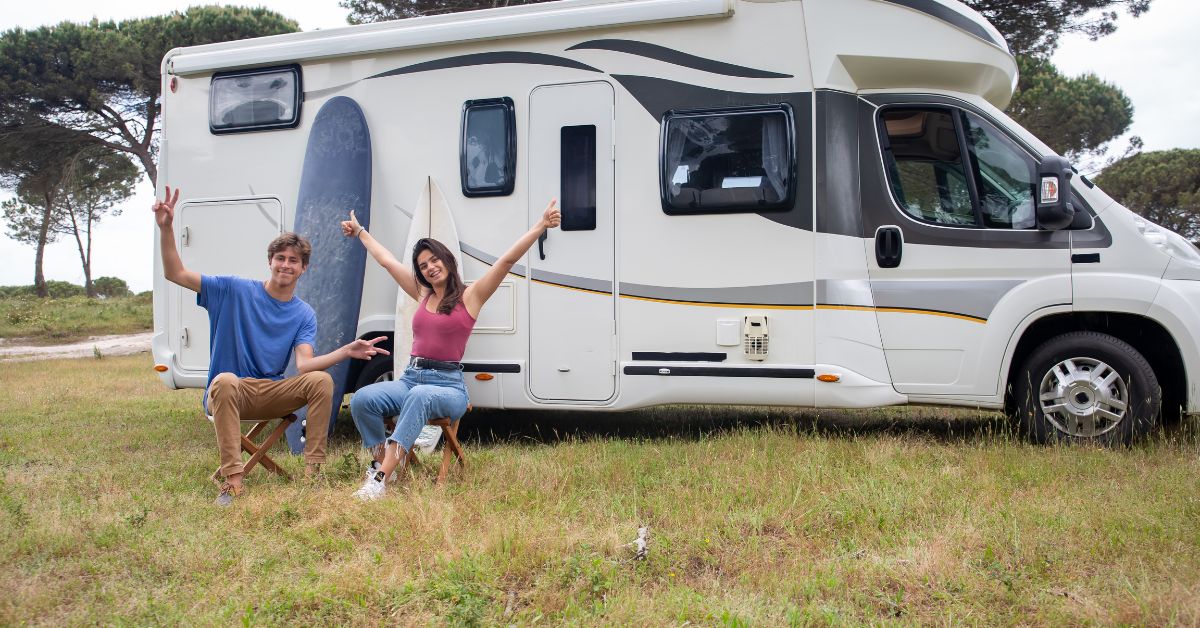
x: 1155, y: 59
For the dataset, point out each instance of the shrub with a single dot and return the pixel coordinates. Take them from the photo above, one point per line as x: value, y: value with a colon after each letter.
x: 108, y: 287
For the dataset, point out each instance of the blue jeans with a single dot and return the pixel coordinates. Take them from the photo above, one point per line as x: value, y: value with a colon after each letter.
x: 419, y: 395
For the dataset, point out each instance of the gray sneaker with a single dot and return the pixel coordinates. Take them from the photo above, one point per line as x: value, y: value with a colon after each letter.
x: 228, y: 492
x: 372, y: 489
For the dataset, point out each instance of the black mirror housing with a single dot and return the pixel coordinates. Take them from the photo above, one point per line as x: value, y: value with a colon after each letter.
x: 1054, y: 209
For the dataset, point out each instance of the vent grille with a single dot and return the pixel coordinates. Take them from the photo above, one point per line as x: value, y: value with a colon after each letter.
x: 755, y: 339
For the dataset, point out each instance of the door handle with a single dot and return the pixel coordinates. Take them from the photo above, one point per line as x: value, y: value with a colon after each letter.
x: 541, y: 241
x: 889, y: 247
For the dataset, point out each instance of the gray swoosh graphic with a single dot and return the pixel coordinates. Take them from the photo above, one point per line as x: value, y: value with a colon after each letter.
x: 976, y: 298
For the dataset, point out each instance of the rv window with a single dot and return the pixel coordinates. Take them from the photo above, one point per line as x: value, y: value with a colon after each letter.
x: 488, y: 149
x: 577, y: 176
x: 923, y: 150
x: 1004, y: 176
x: 925, y: 166
x: 728, y: 161
x: 254, y: 100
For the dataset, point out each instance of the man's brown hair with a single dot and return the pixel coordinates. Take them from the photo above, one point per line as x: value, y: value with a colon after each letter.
x: 290, y: 240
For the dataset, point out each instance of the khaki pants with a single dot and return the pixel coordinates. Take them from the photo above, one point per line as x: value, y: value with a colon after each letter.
x: 232, y: 398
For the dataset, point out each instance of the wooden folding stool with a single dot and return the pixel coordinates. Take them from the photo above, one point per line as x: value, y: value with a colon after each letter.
x: 451, y: 448
x: 258, y: 451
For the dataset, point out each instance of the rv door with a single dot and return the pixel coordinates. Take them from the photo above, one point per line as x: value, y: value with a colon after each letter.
x: 572, y: 305
x: 956, y: 257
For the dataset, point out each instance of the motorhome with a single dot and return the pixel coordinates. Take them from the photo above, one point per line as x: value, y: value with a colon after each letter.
x: 811, y: 203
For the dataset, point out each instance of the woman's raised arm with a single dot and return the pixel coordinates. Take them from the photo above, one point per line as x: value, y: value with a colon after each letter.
x: 401, y: 273
x: 479, y: 292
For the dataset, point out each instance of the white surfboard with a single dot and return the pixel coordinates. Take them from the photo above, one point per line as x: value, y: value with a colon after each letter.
x: 431, y: 219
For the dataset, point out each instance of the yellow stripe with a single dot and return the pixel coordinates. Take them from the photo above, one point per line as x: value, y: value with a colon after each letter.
x: 737, y: 305
x: 559, y: 285
x: 900, y: 310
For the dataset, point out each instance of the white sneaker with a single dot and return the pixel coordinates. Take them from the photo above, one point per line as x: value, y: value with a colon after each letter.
x: 374, y: 466
x: 372, y: 489
x: 428, y: 439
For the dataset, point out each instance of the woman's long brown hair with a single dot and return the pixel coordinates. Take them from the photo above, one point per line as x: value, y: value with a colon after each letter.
x: 454, y: 282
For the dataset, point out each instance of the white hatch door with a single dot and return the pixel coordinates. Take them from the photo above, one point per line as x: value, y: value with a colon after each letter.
x: 572, y: 309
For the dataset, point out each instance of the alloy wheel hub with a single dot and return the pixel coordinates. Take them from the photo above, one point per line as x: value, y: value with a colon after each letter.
x: 1083, y: 397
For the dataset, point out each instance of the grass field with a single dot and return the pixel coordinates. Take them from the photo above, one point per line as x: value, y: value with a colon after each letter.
x: 756, y: 517
x: 70, y: 319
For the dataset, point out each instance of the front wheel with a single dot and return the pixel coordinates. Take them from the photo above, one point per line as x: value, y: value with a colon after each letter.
x: 1086, y: 387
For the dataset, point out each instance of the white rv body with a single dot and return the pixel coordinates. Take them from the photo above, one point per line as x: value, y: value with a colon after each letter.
x: 648, y: 307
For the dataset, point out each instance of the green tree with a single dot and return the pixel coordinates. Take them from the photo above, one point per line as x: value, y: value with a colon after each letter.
x: 367, y: 11
x: 100, y: 83
x: 1163, y: 186
x: 36, y: 168
x: 97, y: 182
x: 1032, y: 27
x: 1076, y: 115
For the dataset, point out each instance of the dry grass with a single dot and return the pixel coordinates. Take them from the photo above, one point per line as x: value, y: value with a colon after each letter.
x: 757, y: 516
x: 70, y: 319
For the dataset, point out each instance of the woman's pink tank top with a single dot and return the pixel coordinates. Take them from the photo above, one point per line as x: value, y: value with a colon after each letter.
x: 440, y: 336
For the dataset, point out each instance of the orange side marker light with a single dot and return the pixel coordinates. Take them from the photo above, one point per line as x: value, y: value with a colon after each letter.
x: 484, y: 377
x: 829, y: 377
x: 161, y: 368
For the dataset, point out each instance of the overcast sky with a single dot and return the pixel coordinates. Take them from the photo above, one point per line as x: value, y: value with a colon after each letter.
x: 1155, y: 59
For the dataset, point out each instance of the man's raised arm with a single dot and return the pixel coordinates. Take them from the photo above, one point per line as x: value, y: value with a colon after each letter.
x: 173, y: 269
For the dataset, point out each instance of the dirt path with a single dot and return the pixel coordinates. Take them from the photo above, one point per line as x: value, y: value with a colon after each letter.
x: 106, y: 345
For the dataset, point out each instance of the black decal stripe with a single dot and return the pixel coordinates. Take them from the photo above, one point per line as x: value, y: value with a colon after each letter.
x: 950, y: 16
x: 678, y: 356
x: 490, y: 368
x: 721, y: 371
x: 675, y: 57
x: 488, y: 58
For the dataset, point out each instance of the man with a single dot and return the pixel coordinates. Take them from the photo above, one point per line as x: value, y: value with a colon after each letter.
x: 254, y: 327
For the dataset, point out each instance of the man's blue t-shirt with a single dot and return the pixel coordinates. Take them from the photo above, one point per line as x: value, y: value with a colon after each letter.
x: 251, y: 334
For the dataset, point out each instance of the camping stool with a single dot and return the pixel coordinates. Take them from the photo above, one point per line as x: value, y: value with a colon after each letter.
x: 258, y: 451
x: 450, y: 447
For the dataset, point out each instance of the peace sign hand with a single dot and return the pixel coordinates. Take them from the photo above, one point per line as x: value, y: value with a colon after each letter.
x: 164, y: 210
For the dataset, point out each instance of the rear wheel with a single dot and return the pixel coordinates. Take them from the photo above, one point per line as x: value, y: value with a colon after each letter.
x: 379, y: 369
x: 1086, y: 387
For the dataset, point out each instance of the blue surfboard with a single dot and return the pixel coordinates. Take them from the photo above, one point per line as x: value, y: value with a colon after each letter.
x: 336, y: 179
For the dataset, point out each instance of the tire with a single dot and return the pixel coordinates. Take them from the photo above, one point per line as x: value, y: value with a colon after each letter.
x: 1086, y: 387
x: 378, y: 369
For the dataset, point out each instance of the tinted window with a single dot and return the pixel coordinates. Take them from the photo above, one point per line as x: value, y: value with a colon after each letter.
x: 254, y: 100
x: 925, y: 166
x: 488, y: 148
x: 729, y: 160
x: 1004, y: 176
x: 930, y: 179
x: 578, y: 178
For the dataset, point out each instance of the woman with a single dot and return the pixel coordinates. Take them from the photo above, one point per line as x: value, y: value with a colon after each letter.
x: 432, y: 384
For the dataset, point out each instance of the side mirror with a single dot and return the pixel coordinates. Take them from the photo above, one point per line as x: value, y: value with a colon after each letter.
x: 1054, y: 209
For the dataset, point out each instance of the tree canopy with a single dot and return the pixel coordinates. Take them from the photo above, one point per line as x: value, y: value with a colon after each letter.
x: 1032, y: 27
x: 1074, y: 115
x: 367, y: 11
x: 1163, y: 186
x: 99, y: 82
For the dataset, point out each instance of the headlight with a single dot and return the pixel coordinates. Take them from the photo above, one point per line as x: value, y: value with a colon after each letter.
x: 1168, y: 241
